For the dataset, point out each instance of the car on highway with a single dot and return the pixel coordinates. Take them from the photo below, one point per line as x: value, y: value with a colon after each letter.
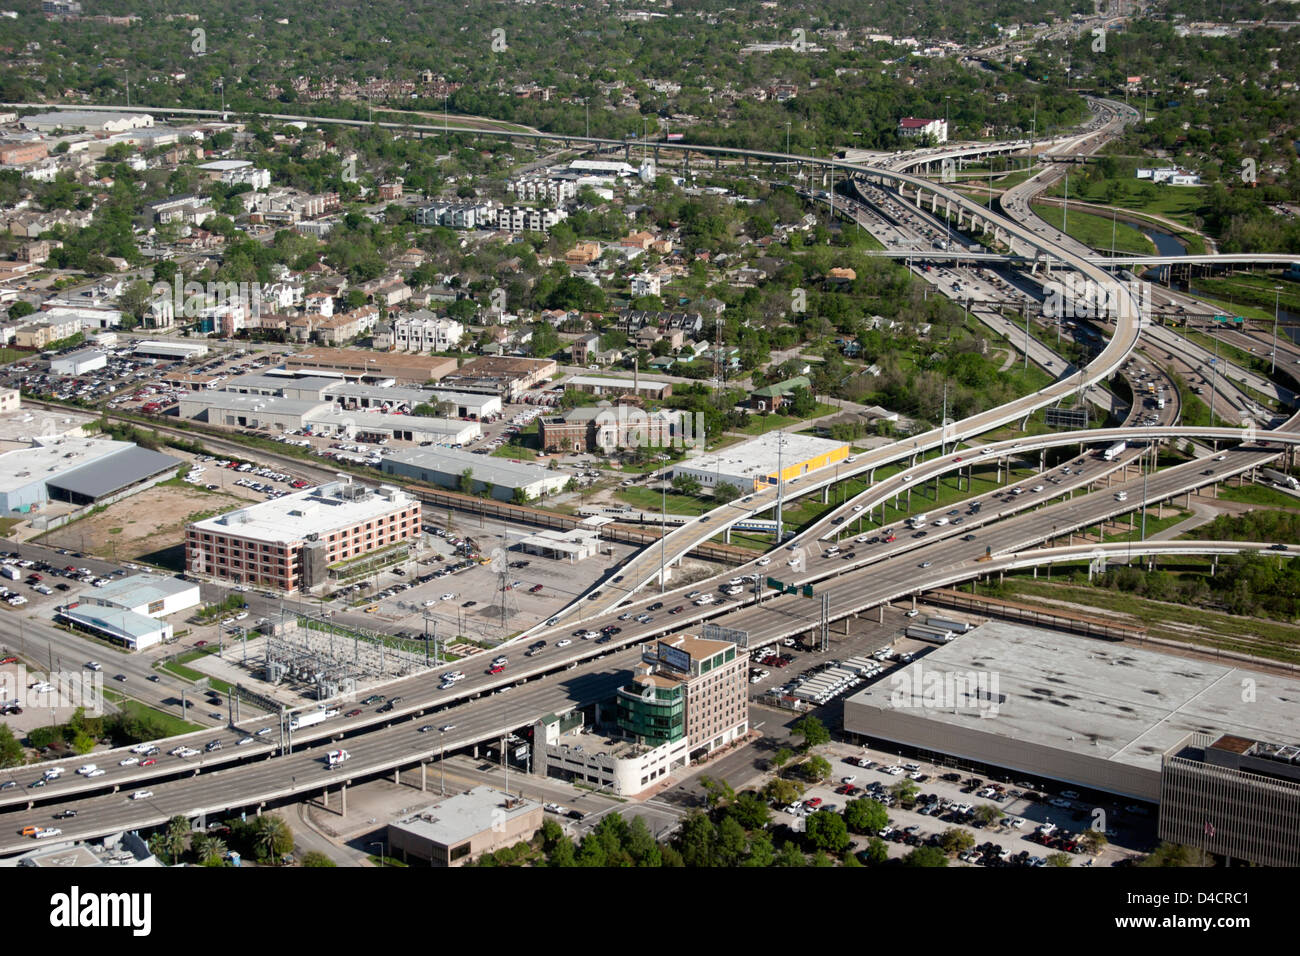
x: 764, y: 562
x: 925, y: 564
x: 94, y: 666
x: 245, y: 740
x: 496, y: 669
x: 154, y: 678
x: 354, y: 712
x: 563, y: 642
x: 128, y: 761
x: 121, y: 677
x: 142, y: 795
x: 65, y: 814
x: 149, y: 763
x: 263, y: 732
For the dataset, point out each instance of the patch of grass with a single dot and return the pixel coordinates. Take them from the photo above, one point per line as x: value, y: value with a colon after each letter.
x: 1199, y: 626
x: 386, y: 861
x: 1095, y: 230
x: 760, y: 424
x: 1259, y: 495
x: 647, y: 499
x: 174, y: 725
x: 8, y: 524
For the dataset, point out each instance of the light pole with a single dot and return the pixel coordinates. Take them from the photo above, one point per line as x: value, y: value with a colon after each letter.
x: 1277, y: 293
x: 442, y: 767
x: 380, y: 844
x: 663, y: 526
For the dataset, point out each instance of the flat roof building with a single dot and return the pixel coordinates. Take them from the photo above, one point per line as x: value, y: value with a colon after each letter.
x: 687, y: 687
x: 290, y: 543
x: 446, y: 466
x: 77, y: 470
x: 79, y: 362
x: 607, y: 428
x: 575, y: 544
x: 609, y: 385
x: 499, y: 375
x: 457, y: 830
x: 133, y: 631
x: 358, y: 364
x: 173, y: 351
x: 1233, y: 796
x: 1076, y: 710
x: 753, y: 464
x: 150, y: 595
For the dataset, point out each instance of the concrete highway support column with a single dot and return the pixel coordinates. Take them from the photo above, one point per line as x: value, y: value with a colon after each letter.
x: 397, y: 775
x: 343, y: 800
x: 424, y: 773
x: 880, y: 614
x: 826, y: 495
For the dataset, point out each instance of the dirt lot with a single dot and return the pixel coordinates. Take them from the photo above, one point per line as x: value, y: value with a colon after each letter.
x: 149, y: 526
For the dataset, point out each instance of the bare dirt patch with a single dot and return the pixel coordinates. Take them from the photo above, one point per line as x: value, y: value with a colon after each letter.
x: 149, y: 526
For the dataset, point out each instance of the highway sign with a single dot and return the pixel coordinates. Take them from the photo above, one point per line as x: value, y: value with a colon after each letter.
x: 1071, y: 418
x: 716, y: 632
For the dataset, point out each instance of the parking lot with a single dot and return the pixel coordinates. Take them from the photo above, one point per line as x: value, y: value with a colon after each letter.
x: 1036, y: 819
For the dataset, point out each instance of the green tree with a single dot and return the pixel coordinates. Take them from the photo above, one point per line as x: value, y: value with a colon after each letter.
x: 545, y: 341
x: 725, y: 492
x: 988, y: 814
x: 21, y: 309
x: 686, y: 485
x: 731, y: 845
x: 175, y: 836
x: 717, y: 792
x: 1058, y: 859
x: 955, y: 839
x: 750, y: 811
x: 315, y: 858
x: 816, y: 768
x: 466, y: 484
x: 11, y: 751
x: 1175, y: 854
x: 926, y: 856
x: 782, y: 757
x: 812, y: 730
x: 272, y: 838
x: 562, y: 854
x: 905, y: 791
x: 1093, y: 840
x: 640, y: 844
x: 827, y: 831
x: 783, y: 791
x: 761, y: 851
x: 790, y: 855
x: 695, y: 840
x: 877, y: 852
x: 866, y: 816
x: 136, y: 299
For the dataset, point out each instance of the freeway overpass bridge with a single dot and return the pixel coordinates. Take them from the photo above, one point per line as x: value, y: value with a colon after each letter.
x: 1285, y: 260
x: 395, y: 740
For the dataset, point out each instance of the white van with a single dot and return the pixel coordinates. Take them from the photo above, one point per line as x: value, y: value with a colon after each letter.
x: 940, y: 522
